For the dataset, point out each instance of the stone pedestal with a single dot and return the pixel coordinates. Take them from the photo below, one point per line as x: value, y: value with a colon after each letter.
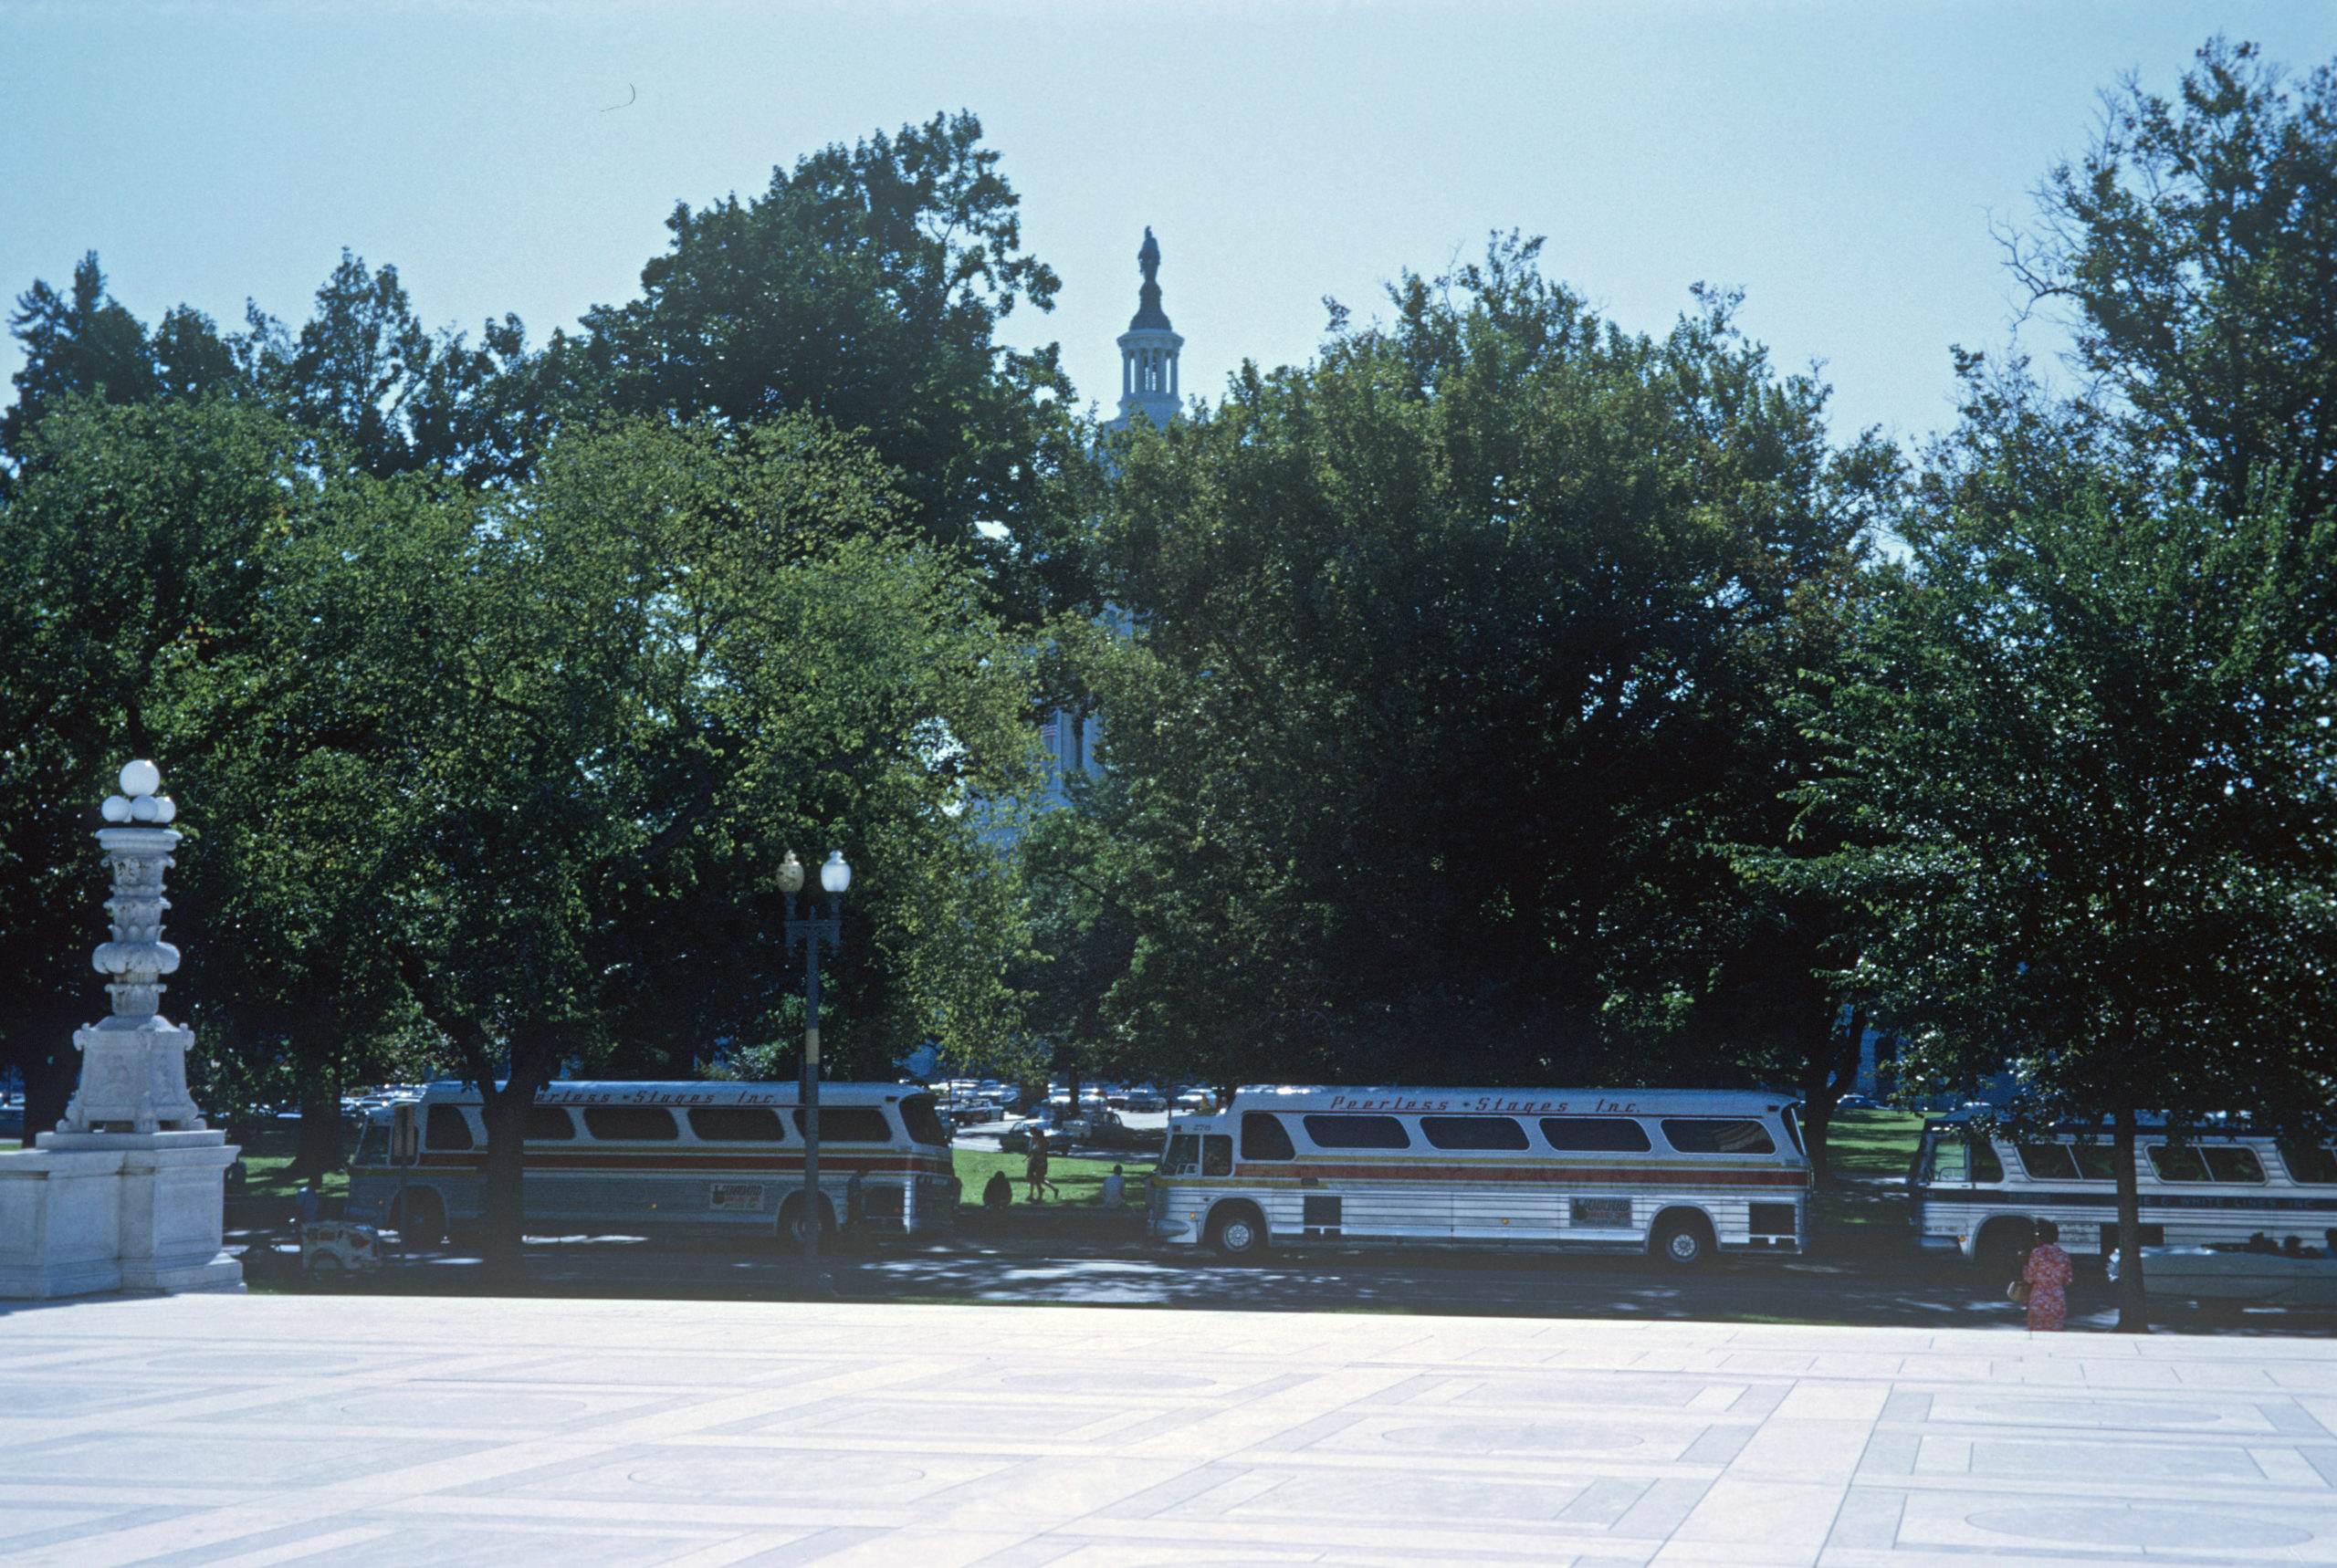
x: 115, y: 1211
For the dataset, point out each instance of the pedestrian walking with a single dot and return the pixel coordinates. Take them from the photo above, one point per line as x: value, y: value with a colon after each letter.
x: 2047, y: 1275
x: 1034, y: 1166
x: 855, y: 1211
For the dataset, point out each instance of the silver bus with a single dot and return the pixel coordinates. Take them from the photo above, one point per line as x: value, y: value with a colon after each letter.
x: 1680, y: 1173
x: 1979, y: 1192
x: 665, y: 1159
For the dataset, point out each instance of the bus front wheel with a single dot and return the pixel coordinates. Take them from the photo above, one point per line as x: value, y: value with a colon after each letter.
x: 2001, y: 1242
x: 422, y: 1218
x: 1237, y: 1230
x: 1681, y: 1240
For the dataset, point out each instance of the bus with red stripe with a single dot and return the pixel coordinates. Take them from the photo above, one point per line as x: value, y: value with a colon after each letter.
x: 670, y: 1158
x: 1684, y: 1174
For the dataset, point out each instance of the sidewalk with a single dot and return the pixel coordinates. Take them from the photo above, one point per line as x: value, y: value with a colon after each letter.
x: 261, y: 1430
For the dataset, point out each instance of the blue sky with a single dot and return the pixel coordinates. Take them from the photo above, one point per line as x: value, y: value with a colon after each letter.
x: 1839, y: 162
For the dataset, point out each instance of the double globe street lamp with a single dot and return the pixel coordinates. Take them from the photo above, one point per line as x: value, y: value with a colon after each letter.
x: 809, y: 933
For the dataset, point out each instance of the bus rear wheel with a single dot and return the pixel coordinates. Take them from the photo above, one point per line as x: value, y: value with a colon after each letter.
x: 1681, y: 1240
x: 422, y: 1220
x: 1237, y: 1230
x: 791, y: 1221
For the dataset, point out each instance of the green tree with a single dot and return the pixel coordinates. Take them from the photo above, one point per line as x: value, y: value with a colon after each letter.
x: 134, y: 541
x: 393, y: 397
x: 1449, y: 642
x: 84, y: 342
x: 1081, y: 940
x: 2082, y: 767
x: 611, y: 699
x: 866, y: 286
x: 2196, y: 242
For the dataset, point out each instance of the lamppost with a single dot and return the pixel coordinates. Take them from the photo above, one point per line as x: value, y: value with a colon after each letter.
x: 809, y: 933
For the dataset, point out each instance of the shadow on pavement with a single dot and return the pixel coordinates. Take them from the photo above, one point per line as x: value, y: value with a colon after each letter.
x: 1869, y: 1279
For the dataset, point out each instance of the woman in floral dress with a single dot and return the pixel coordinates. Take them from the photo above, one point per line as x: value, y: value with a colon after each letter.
x: 2047, y: 1273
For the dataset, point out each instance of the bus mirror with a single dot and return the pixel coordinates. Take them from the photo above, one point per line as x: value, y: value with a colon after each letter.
x: 405, y: 1135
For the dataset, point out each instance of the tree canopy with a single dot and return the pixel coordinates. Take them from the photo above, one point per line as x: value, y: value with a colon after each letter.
x: 1449, y: 640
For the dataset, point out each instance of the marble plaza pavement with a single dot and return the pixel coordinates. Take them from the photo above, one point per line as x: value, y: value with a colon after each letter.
x: 575, y: 1434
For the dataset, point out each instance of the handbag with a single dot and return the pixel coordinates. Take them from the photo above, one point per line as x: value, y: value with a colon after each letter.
x: 2017, y: 1292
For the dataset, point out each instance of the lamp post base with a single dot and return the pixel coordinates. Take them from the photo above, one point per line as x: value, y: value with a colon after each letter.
x: 89, y: 1212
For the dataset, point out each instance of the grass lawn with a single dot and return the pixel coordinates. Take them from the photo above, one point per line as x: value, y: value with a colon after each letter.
x: 1874, y: 1143
x: 267, y: 1165
x: 1867, y: 1143
x: 1080, y: 1179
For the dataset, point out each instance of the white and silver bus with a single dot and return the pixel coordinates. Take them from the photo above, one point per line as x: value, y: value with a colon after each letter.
x: 1680, y: 1173
x: 667, y: 1159
x: 1981, y: 1192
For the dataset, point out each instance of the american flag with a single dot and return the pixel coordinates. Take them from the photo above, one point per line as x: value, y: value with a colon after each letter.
x: 1049, y: 731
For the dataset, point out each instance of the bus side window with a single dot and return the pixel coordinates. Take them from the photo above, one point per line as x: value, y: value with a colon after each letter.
x: 2232, y: 1162
x: 1264, y: 1137
x: 549, y: 1123
x: 2178, y: 1162
x: 2096, y: 1161
x: 1216, y: 1154
x: 1714, y: 1135
x: 1595, y: 1134
x: 2047, y: 1162
x: 2311, y: 1164
x: 1503, y: 1132
x: 1357, y: 1133
x: 1181, y: 1156
x: 445, y: 1129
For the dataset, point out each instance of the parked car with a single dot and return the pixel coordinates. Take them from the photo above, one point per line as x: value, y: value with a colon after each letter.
x: 1856, y: 1103
x: 1106, y: 1131
x: 1146, y: 1099
x: 1060, y: 1136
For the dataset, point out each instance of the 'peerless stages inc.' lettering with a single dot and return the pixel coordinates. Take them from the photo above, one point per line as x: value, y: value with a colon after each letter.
x: 1485, y: 1103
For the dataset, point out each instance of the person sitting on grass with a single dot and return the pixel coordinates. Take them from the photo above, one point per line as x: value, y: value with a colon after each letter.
x: 997, y: 1192
x: 1116, y: 1189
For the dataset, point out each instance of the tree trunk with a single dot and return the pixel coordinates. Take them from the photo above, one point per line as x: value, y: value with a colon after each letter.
x: 505, y: 1215
x: 1829, y: 1070
x: 2134, y: 1307
x: 52, y: 1068
x: 320, y: 1149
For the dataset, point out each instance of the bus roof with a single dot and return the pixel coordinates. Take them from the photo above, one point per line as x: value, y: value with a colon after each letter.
x: 1513, y: 1102
x: 2221, y: 1127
